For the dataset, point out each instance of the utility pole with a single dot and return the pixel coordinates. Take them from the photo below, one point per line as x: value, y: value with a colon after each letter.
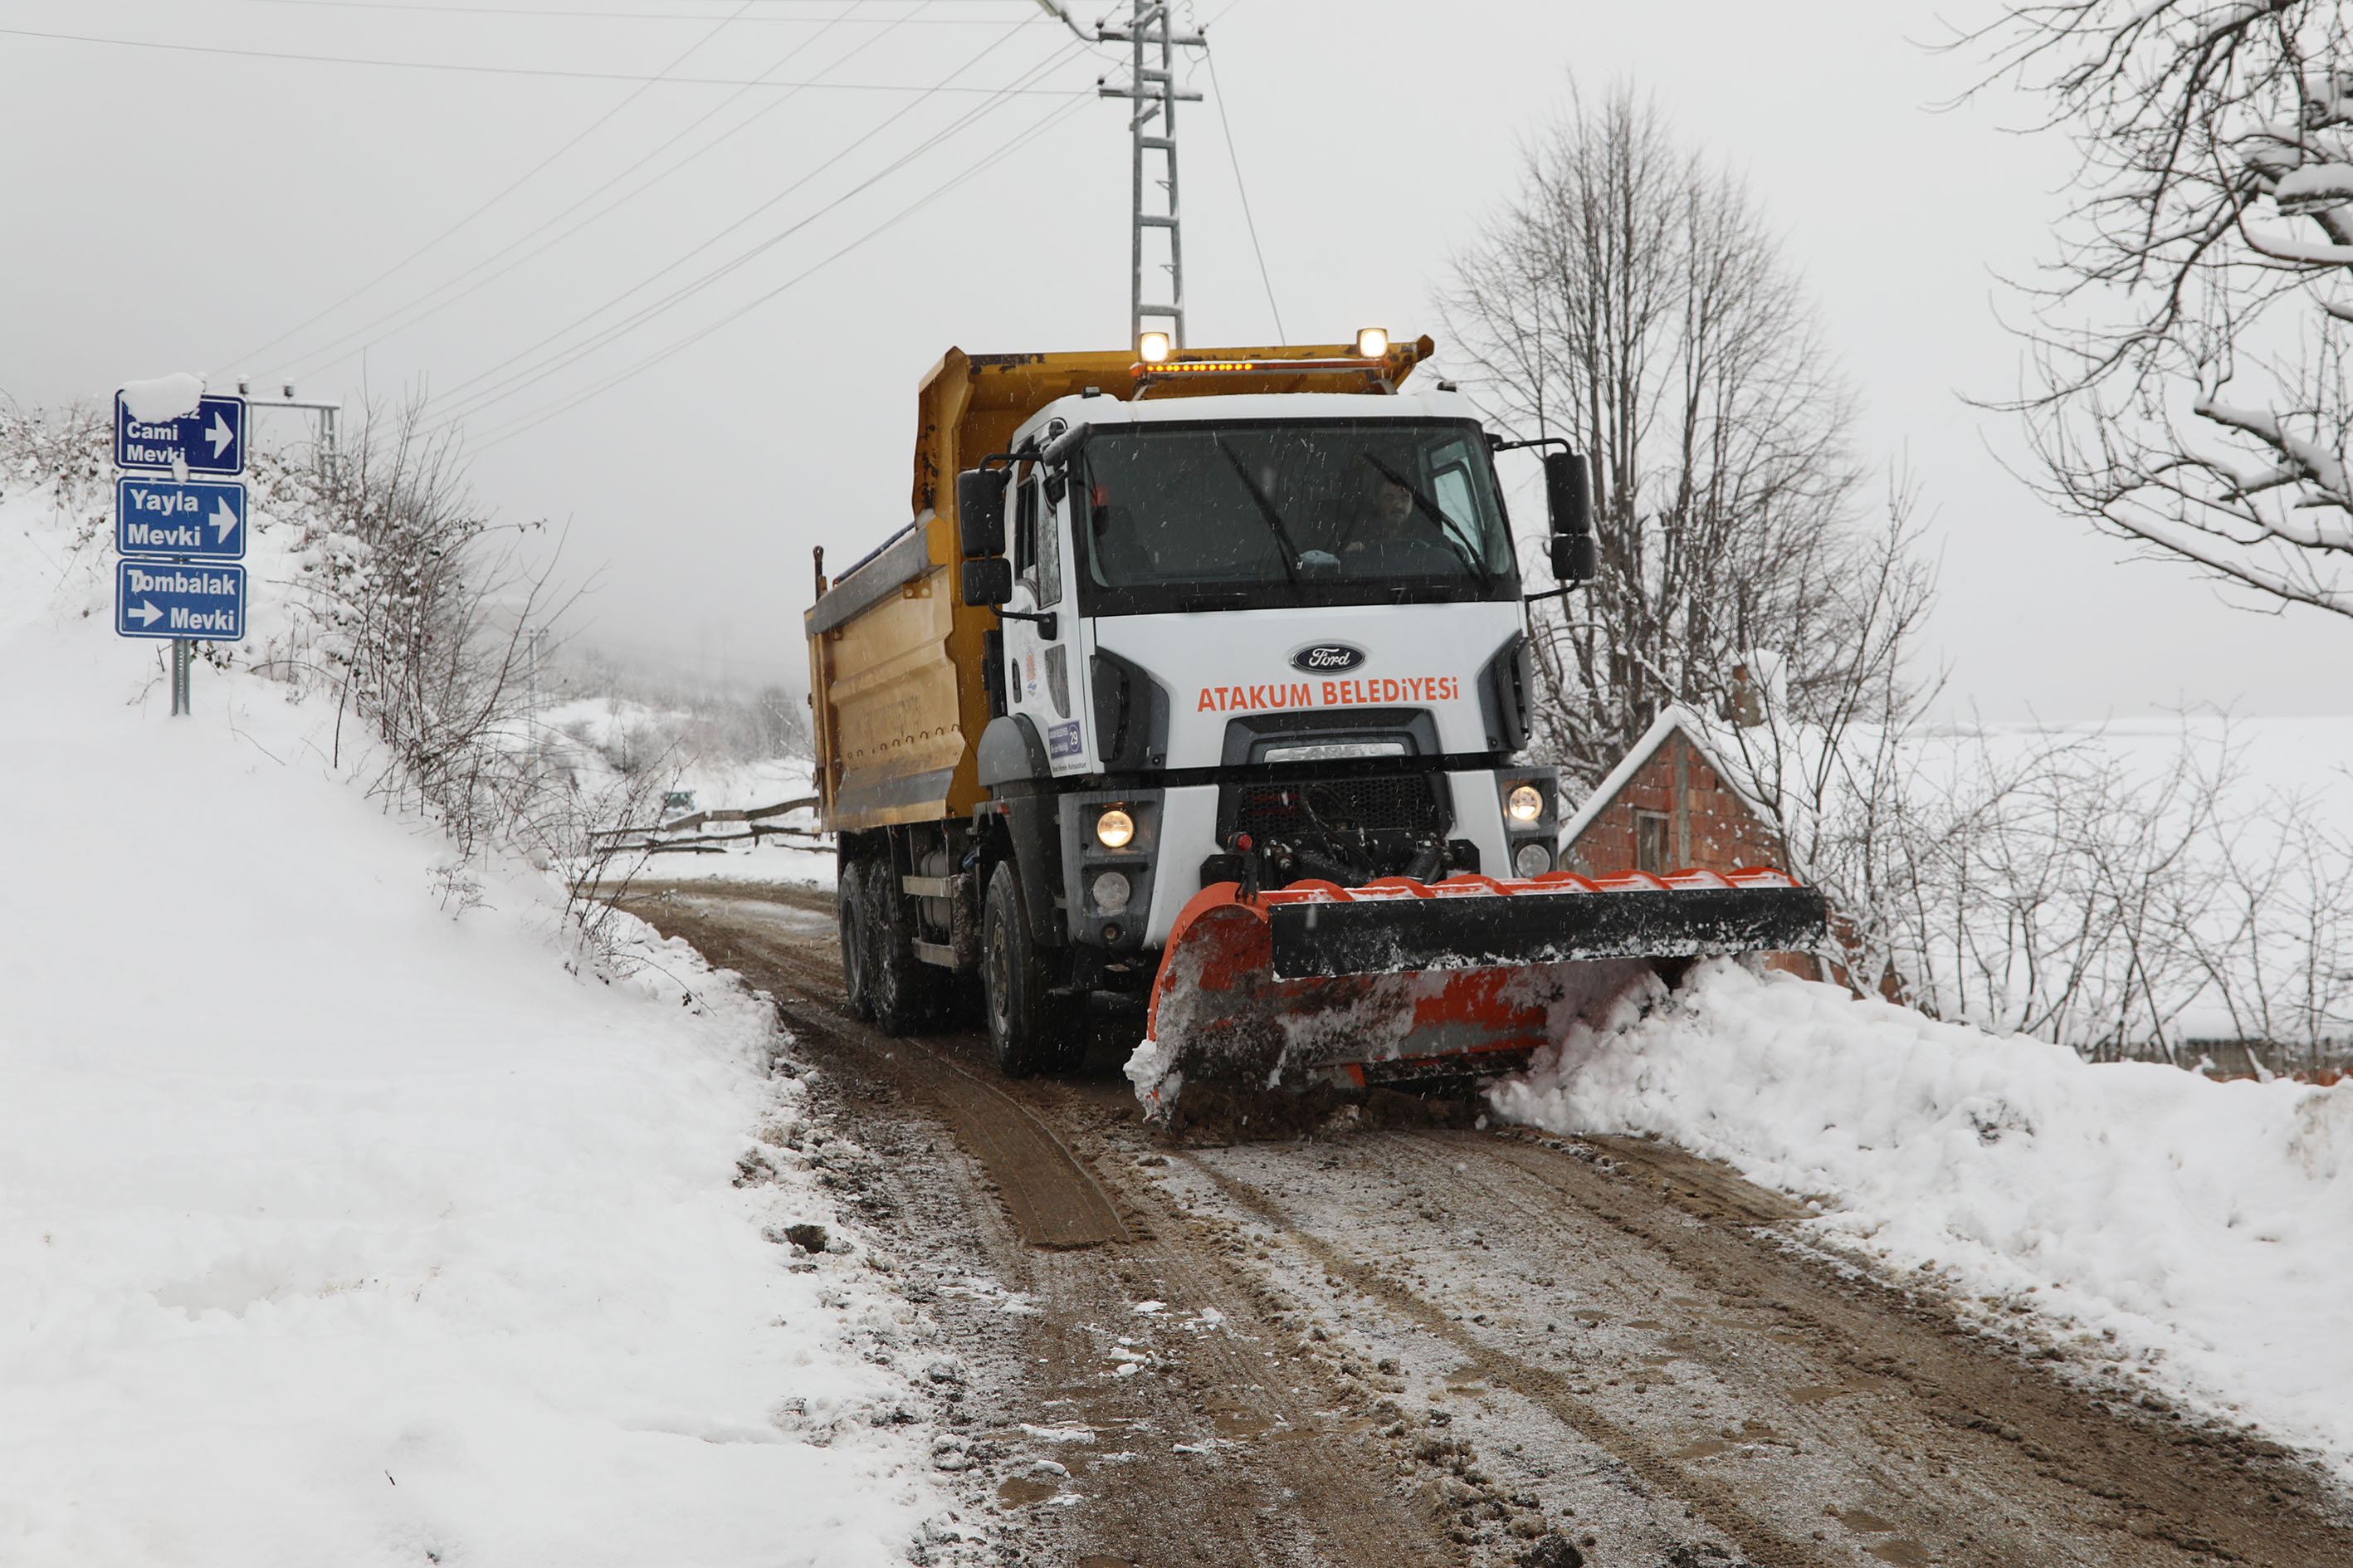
x: 530, y: 725
x: 1151, y: 87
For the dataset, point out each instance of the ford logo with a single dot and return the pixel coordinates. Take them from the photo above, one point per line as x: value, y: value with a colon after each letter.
x: 1320, y: 656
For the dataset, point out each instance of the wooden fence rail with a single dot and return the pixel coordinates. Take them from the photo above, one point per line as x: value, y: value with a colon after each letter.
x: 652, y: 840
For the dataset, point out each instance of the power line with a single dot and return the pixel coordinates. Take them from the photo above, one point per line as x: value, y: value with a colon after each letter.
x: 534, y: 72
x: 495, y: 390
x: 498, y: 389
x: 314, y: 362
x: 1249, y: 222
x: 988, y: 161
x: 516, y: 184
x: 511, y: 386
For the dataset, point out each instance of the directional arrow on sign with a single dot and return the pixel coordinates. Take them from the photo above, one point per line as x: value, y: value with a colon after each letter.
x: 220, y: 435
x: 224, y: 520
x: 146, y: 614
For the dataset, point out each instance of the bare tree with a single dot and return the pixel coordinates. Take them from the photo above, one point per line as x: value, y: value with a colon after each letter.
x: 2110, y: 897
x: 1832, y: 784
x: 2190, y: 384
x: 421, y: 616
x: 1631, y: 299
x: 2275, y: 954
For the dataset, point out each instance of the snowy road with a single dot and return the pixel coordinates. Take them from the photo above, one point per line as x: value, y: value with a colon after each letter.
x: 1424, y: 1346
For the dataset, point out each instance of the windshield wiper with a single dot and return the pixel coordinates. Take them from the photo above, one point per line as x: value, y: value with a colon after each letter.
x: 1438, y: 520
x: 1288, y: 551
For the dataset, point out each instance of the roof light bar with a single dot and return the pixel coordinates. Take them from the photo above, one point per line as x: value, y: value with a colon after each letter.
x: 1255, y: 367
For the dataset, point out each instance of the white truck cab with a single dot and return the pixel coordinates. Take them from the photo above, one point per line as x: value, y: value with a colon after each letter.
x: 1295, y: 620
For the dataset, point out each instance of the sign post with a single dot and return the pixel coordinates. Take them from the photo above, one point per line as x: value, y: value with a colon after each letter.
x: 178, y: 536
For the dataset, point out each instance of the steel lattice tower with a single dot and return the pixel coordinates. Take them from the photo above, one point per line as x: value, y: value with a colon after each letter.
x: 1151, y: 87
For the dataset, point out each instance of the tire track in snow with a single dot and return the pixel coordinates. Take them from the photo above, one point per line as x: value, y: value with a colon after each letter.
x: 1710, y: 1501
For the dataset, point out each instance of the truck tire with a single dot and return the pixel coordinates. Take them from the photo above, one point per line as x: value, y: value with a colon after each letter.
x: 1030, y: 1030
x: 903, y: 988
x: 850, y: 898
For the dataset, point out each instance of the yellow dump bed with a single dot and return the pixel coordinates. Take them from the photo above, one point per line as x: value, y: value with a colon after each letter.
x: 896, y: 680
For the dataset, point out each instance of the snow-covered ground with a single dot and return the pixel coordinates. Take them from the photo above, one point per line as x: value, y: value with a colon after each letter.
x: 588, y: 731
x: 347, y: 1215
x: 2191, y: 1233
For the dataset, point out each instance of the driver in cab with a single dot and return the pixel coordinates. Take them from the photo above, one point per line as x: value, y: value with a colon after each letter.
x: 1391, y: 538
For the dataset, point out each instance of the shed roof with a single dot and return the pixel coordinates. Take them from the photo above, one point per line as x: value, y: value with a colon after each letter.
x: 1675, y: 719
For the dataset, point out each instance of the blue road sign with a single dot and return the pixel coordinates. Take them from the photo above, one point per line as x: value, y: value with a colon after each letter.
x: 210, y: 440
x: 202, y: 519
x: 166, y: 599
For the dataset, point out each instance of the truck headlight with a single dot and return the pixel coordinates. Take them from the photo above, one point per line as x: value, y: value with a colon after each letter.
x: 1532, y: 860
x: 1112, y: 892
x: 1115, y: 828
x: 1525, y: 803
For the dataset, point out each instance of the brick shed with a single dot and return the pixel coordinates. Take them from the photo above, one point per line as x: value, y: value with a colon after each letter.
x: 1667, y: 806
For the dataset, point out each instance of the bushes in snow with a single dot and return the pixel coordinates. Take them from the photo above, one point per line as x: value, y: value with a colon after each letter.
x: 2128, y: 895
x: 381, y: 586
x: 418, y: 617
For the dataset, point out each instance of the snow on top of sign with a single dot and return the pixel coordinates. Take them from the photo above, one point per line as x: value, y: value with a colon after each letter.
x: 172, y: 397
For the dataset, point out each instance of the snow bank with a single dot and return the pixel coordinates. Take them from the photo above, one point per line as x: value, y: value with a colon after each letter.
x: 2193, y: 1231
x: 341, y: 1222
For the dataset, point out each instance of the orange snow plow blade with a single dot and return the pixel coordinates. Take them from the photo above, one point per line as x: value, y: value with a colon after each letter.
x: 1397, y: 979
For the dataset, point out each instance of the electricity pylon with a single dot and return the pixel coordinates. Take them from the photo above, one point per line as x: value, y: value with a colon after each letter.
x: 1151, y: 87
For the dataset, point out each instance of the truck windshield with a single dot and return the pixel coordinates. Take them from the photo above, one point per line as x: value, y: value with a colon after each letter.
x: 1330, y: 512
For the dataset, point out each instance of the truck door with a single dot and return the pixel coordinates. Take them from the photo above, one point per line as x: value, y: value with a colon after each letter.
x: 1043, y: 675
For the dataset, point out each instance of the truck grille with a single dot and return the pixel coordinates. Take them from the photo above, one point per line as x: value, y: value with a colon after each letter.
x: 1410, y: 801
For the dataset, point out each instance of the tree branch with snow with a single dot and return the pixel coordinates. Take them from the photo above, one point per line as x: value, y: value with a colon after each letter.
x: 2188, y: 384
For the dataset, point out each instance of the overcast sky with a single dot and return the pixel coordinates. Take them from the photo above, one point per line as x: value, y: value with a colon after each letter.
x: 684, y: 320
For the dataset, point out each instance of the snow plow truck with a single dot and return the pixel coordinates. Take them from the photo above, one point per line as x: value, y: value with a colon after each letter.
x: 1195, y: 689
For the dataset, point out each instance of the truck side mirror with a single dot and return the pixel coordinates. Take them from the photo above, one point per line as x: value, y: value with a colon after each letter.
x: 980, y: 515
x: 1568, y: 492
x: 988, y: 581
x: 1573, y: 558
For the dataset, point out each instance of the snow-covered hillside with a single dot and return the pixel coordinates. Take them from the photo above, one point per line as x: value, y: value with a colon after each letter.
x: 2174, y: 1232
x: 346, y: 1214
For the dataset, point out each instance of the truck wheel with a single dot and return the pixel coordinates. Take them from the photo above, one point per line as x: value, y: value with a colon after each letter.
x: 1028, y: 1028
x: 900, y: 985
x: 849, y: 901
